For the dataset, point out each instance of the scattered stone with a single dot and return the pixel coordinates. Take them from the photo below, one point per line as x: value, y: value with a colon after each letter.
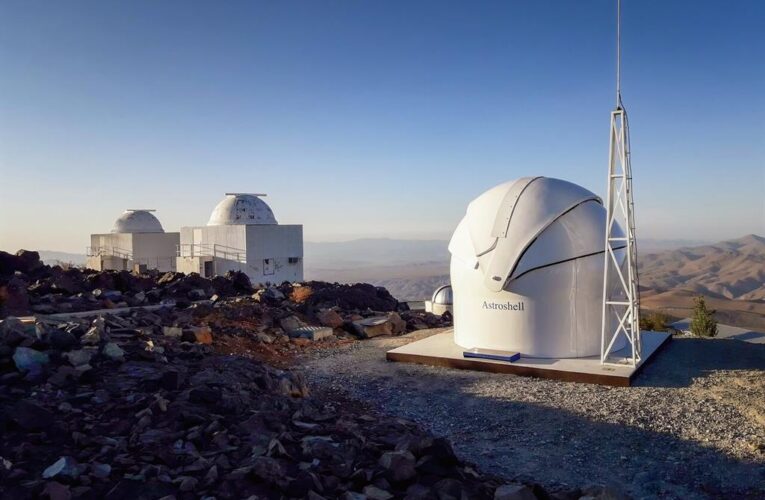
x: 374, y: 493
x: 92, y: 336
x: 514, y: 492
x: 373, y: 327
x: 57, y: 491
x: 64, y: 466
x: 79, y: 358
x: 29, y: 360
x: 114, y: 352
x: 330, y: 318
x: 172, y: 331
x: 399, y: 464
x: 202, y: 335
x: 30, y: 416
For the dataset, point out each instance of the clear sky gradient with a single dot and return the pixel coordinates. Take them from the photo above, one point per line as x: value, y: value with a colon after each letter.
x: 372, y: 118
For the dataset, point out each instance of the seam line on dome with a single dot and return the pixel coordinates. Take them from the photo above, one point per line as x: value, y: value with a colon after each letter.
x: 562, y: 262
x: 542, y: 230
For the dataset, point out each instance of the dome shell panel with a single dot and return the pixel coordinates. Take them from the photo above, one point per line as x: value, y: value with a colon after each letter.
x: 505, y: 220
x: 241, y: 209
x: 577, y: 233
x: 137, y: 221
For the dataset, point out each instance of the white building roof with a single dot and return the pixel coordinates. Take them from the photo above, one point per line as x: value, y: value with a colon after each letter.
x: 137, y: 221
x: 241, y: 208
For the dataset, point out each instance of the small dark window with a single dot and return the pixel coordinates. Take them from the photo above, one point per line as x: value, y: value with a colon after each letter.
x: 293, y: 260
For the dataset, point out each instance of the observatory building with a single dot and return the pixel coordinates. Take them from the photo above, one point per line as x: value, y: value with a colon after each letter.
x: 441, y: 302
x: 136, y: 239
x: 243, y: 235
x: 527, y: 270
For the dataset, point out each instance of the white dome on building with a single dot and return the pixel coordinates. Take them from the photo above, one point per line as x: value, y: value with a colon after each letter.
x: 443, y: 295
x: 527, y: 269
x: 137, y: 221
x: 241, y: 208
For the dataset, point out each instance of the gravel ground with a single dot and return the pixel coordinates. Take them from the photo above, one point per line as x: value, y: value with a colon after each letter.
x: 692, y: 426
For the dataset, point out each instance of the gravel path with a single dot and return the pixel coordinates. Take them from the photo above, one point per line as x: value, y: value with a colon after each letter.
x: 693, y: 425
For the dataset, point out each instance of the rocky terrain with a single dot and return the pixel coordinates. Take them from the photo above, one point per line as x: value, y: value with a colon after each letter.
x: 180, y: 397
x: 692, y: 426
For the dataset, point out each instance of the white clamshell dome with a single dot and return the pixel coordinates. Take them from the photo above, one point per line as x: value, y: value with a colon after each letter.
x: 527, y: 269
x: 137, y: 221
x: 241, y: 208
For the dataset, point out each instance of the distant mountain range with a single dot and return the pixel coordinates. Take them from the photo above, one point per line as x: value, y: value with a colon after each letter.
x: 732, y: 269
x: 730, y: 273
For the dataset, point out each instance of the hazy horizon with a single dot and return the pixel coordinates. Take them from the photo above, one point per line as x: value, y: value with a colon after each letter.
x: 372, y: 120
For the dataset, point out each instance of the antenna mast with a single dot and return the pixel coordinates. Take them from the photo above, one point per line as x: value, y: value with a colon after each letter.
x: 621, y: 301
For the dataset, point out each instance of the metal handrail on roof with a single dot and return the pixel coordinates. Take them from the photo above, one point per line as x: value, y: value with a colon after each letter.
x: 99, y: 251
x: 211, y: 250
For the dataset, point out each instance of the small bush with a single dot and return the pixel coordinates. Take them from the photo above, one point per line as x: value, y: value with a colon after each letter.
x: 703, y: 322
x: 654, y: 321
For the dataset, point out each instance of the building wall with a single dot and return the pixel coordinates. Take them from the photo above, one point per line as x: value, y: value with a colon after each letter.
x: 277, y: 243
x: 104, y: 262
x: 122, y: 242
x: 156, y: 250
x: 244, y: 248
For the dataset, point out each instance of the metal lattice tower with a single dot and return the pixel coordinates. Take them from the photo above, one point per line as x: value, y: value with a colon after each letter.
x: 621, y: 300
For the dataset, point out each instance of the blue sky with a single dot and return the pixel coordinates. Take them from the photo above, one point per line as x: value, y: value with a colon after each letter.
x: 372, y: 118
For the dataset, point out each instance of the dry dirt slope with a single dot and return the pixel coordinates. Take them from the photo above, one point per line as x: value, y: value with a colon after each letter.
x: 732, y: 269
x: 731, y: 274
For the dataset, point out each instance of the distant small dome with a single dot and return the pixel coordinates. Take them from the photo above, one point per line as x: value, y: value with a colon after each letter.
x: 443, y: 295
x: 241, y: 208
x: 137, y: 221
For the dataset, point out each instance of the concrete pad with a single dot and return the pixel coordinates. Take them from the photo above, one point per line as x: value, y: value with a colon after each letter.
x: 440, y: 350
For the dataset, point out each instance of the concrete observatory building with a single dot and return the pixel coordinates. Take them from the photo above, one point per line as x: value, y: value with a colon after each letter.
x: 137, y: 238
x: 243, y: 235
x: 527, y: 270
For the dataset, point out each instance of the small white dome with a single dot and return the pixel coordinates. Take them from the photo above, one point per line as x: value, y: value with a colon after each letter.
x: 137, y: 221
x: 443, y: 295
x: 241, y: 208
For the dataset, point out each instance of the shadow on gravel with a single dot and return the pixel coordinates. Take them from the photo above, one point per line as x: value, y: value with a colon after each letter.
x: 683, y: 359
x: 536, y: 442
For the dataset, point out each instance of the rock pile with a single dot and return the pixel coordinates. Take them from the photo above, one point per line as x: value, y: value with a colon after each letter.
x: 123, y: 407
x: 27, y: 286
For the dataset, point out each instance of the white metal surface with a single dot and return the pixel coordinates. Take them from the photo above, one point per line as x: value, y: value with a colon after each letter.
x: 549, y: 260
x: 620, y: 279
x: 137, y: 221
x: 443, y: 295
x: 119, y: 251
x: 241, y: 209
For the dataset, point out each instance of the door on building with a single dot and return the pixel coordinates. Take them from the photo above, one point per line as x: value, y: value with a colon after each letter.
x: 268, y: 266
x: 208, y: 270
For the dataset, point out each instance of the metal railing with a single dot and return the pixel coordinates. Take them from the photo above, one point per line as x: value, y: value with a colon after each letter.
x: 211, y: 250
x: 108, y: 252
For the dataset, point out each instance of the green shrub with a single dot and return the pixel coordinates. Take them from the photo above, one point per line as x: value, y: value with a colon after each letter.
x: 654, y: 321
x: 703, y: 322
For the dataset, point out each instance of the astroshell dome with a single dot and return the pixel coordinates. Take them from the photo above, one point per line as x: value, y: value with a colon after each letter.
x: 527, y: 270
x: 241, y: 208
x: 137, y: 221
